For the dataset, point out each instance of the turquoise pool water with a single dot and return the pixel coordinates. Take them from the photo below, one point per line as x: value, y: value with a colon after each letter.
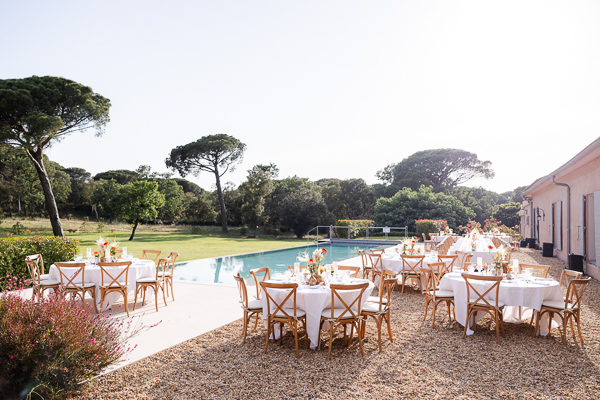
x: 222, y: 269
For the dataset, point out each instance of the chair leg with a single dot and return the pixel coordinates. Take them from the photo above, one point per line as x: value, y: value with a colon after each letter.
x: 362, y: 350
x: 330, y: 339
x: 426, y: 307
x: 126, y: 302
x: 295, y: 328
x: 172, y: 292
x: 137, y: 289
x: 93, y: 294
x: 156, y: 297
x: 269, y: 328
x: 433, y: 314
x: 389, y: 326
x: 245, y: 327
x: 379, y: 332
x: 578, y: 319
x: 163, y: 292
x: 256, y: 322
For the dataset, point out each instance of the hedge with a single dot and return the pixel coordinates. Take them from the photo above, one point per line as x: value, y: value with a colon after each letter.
x: 428, y: 226
x: 13, y: 251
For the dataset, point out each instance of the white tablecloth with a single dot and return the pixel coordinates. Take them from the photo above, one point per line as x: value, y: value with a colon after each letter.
x: 139, y: 269
x: 481, y: 250
x: 313, y: 302
x: 512, y: 293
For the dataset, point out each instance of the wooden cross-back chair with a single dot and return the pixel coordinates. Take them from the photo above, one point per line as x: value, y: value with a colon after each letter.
x: 379, y: 309
x: 348, y: 313
x: 463, y: 258
x: 476, y: 301
x: 411, y: 266
x: 147, y: 254
x: 353, y: 270
x: 367, y: 269
x: 540, y: 271
x: 250, y: 307
x: 376, y: 264
x: 110, y: 275
x: 277, y: 312
x: 432, y: 293
x: 156, y: 282
x: 169, y: 273
x: 429, y: 244
x: 567, y: 310
x: 39, y: 284
x: 73, y: 282
x: 258, y: 278
x: 451, y: 261
x: 567, y: 276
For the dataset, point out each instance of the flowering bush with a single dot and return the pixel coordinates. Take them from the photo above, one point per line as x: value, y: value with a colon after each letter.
x: 355, y: 223
x: 13, y: 251
x: 471, y: 225
x: 495, y: 226
x: 427, y: 226
x: 51, y: 346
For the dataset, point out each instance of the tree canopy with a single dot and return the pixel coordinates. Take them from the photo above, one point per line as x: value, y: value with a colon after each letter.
x: 213, y: 153
x: 407, y: 205
x: 508, y: 214
x: 140, y: 200
x: 257, y: 187
x: 443, y: 169
x: 36, y: 112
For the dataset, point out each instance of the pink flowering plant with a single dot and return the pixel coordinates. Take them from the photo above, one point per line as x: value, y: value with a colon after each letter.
x: 49, y: 347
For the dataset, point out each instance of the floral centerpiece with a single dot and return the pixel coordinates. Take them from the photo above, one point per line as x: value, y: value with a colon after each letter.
x: 106, y: 248
x: 500, y: 258
x: 314, y: 263
x: 409, y: 245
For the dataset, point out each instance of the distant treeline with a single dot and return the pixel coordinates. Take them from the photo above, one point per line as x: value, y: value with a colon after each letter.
x: 263, y: 202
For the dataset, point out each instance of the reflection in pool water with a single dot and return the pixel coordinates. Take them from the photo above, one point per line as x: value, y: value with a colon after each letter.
x: 222, y: 269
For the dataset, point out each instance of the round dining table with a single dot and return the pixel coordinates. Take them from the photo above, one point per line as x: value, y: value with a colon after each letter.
x: 313, y: 300
x: 139, y: 269
x: 520, y: 296
x: 482, y: 249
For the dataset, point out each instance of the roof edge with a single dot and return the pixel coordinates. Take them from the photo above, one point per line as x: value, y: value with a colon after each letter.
x: 577, y: 157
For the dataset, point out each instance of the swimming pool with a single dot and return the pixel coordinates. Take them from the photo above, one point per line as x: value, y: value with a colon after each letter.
x: 222, y: 269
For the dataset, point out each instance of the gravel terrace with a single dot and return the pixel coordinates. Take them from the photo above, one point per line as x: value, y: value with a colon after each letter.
x: 421, y: 362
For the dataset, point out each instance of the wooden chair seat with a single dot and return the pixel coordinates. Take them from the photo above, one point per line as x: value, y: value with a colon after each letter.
x: 155, y: 283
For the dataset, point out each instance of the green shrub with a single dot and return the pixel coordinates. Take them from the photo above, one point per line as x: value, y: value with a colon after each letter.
x: 428, y: 226
x: 13, y: 251
x: 354, y: 232
x: 50, y: 347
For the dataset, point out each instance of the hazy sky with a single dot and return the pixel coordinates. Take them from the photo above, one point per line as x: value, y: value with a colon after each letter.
x: 321, y: 88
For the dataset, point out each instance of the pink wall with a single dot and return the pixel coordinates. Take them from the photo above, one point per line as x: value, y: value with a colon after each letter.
x: 584, y: 178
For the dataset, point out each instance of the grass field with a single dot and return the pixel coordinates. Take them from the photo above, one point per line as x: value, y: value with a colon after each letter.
x: 205, y: 242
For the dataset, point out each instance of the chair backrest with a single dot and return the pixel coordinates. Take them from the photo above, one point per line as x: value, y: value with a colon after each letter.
x: 475, y: 295
x: 376, y: 262
x: 75, y: 278
x: 266, y: 275
x: 463, y: 257
x: 411, y: 263
x: 378, y: 251
x: 430, y: 278
x: 353, y: 270
x: 36, y: 267
x: 162, y: 267
x: 439, y: 268
x: 112, y: 272
x: 274, y: 306
x: 337, y: 297
x: 363, y: 257
x: 172, y: 259
x: 242, y: 289
x: 567, y: 275
x: 385, y: 288
x: 146, y: 254
x: 450, y: 260
x: 432, y: 235
x: 575, y: 292
x: 538, y: 270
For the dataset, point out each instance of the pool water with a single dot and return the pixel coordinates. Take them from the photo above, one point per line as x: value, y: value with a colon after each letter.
x: 222, y: 269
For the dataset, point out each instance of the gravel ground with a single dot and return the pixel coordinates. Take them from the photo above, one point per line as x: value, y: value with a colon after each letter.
x: 421, y: 362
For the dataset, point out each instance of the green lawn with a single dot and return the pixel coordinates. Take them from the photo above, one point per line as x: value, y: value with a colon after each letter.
x: 189, y: 246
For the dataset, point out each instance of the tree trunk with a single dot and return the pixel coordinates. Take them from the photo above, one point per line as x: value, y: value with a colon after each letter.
x: 134, y: 228
x: 221, y: 202
x: 38, y: 163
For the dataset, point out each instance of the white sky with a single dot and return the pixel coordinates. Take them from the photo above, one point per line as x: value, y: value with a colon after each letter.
x: 322, y: 88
